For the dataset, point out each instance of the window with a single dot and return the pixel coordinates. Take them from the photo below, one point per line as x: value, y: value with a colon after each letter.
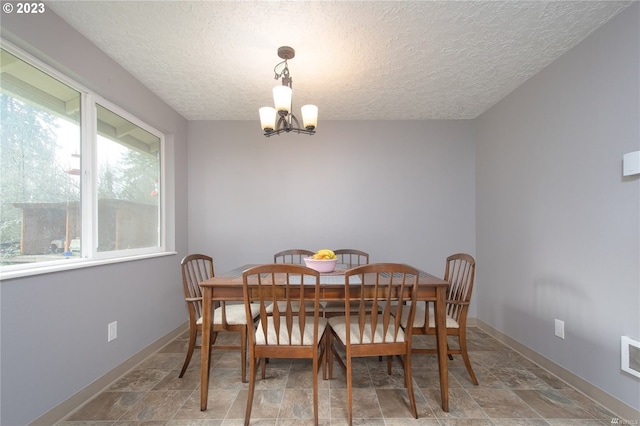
x: 80, y: 179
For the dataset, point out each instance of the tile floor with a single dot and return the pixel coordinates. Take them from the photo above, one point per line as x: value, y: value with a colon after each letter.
x: 512, y: 391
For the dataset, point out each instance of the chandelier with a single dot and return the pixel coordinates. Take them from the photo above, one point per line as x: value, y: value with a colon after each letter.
x: 280, y: 119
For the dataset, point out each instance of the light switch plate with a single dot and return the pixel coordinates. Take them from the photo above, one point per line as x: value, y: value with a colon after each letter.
x: 631, y: 163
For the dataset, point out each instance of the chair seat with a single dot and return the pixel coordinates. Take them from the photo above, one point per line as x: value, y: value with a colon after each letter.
x: 418, y: 321
x: 338, y: 324
x: 295, y: 307
x: 339, y: 306
x: 235, y: 314
x: 307, y: 339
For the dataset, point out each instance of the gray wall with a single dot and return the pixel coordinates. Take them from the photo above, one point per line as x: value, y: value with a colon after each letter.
x: 402, y: 191
x: 54, y: 326
x: 558, y: 226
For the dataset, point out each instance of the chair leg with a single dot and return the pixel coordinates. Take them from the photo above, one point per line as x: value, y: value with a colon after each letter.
x: 192, y: 344
x: 349, y: 390
x: 243, y: 353
x: 329, y: 355
x: 252, y: 385
x: 462, y: 338
x: 325, y: 354
x: 408, y: 380
x: 315, y: 388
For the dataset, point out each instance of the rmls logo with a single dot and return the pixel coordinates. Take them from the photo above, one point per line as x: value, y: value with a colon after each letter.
x: 618, y: 421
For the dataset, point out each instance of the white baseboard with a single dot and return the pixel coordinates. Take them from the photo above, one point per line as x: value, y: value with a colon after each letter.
x: 62, y: 410
x: 611, y: 403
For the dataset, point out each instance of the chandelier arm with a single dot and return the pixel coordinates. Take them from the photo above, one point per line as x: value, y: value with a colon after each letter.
x: 285, y: 70
x: 293, y: 118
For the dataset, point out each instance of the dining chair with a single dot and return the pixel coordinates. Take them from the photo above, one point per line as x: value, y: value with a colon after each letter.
x: 294, y: 256
x: 283, y: 332
x: 347, y: 258
x: 351, y: 257
x: 459, y: 272
x: 393, y: 288
x: 226, y: 317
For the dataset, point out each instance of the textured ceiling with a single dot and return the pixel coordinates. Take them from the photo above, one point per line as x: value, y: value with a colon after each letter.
x: 356, y: 60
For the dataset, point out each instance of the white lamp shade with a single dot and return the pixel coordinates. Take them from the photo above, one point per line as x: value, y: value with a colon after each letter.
x: 282, y: 98
x: 267, y: 118
x: 309, y: 116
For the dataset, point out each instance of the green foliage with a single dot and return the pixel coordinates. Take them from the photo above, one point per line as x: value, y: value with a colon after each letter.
x: 31, y: 172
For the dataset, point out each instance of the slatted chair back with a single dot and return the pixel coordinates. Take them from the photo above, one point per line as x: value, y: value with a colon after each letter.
x: 351, y: 257
x: 460, y: 272
x: 195, y: 269
x: 293, y: 256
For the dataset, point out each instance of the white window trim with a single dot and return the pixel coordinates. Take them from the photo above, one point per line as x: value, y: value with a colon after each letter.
x: 90, y: 256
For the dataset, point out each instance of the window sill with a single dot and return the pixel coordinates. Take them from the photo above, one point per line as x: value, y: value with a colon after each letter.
x: 76, y: 264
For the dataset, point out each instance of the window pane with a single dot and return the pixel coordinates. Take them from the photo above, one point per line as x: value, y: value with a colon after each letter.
x: 128, y: 184
x: 39, y: 165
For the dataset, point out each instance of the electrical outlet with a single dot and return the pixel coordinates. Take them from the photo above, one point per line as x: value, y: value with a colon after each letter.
x: 560, y: 329
x: 112, y: 331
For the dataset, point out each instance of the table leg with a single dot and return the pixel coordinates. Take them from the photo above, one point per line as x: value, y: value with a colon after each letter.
x: 441, y: 339
x: 205, y: 350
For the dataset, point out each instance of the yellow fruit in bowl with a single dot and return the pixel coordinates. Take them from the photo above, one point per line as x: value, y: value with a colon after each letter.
x: 324, y: 254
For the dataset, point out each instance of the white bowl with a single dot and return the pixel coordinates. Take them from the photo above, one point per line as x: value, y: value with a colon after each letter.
x: 321, y: 265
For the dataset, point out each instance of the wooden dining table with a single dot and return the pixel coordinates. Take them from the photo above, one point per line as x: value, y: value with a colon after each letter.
x: 228, y: 287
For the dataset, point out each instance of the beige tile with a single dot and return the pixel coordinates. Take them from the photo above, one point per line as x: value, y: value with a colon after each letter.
x: 461, y: 404
x: 552, y: 404
x: 486, y: 380
x: 395, y: 404
x: 164, y: 361
x: 189, y: 382
x: 577, y: 422
x: 360, y: 378
x: 302, y: 378
x: 365, y: 404
x: 551, y: 380
x: 427, y: 378
x: 218, y: 405
x: 589, y: 405
x: 139, y: 380
x: 520, y: 422
x: 468, y: 422
x: 157, y: 405
x: 266, y: 404
x: 298, y: 404
x: 224, y: 378
x: 501, y: 403
x: 107, y: 406
x: 519, y: 378
x: 381, y: 379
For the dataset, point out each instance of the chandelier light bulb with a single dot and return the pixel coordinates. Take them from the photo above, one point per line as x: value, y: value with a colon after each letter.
x: 267, y: 118
x: 309, y: 116
x: 282, y: 98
